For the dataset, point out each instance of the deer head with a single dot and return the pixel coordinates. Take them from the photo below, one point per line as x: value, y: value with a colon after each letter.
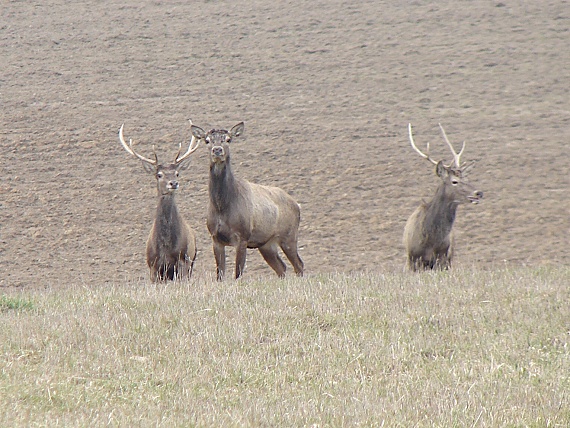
x: 166, y: 175
x: 218, y: 141
x: 456, y: 187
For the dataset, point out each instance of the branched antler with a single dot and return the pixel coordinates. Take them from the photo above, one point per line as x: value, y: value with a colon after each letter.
x: 456, y: 156
x: 191, y: 148
x: 423, y: 155
x: 129, y: 149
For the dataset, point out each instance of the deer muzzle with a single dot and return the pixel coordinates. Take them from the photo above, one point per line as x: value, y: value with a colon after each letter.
x: 475, y: 197
x: 218, y: 153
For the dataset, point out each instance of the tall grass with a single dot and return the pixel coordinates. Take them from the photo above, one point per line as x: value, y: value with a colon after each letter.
x: 463, y: 348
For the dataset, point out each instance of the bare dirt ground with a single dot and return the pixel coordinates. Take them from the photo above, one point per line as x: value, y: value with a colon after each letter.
x: 326, y: 90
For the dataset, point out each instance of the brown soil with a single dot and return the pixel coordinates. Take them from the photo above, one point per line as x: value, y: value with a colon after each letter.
x: 326, y: 89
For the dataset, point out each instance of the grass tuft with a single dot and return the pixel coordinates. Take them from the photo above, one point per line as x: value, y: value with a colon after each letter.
x: 14, y: 303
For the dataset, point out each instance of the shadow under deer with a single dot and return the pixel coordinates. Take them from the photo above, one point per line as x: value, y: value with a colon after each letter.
x: 171, y: 244
x: 428, y: 235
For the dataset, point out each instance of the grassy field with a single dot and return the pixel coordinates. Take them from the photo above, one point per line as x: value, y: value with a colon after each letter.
x: 464, y: 348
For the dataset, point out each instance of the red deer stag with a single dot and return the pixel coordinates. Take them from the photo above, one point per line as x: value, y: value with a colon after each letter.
x: 428, y: 237
x: 247, y: 215
x: 171, y: 244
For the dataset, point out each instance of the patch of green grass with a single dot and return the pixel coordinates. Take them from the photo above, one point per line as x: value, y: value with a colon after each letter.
x: 15, y: 303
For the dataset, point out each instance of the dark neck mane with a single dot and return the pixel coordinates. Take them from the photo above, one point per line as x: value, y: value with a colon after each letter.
x: 222, y: 185
x: 440, y: 213
x: 167, y: 225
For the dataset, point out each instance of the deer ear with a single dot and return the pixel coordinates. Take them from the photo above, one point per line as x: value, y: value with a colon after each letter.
x: 198, y: 132
x: 440, y: 169
x: 237, y: 129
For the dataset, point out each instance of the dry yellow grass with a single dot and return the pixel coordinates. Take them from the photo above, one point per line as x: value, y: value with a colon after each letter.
x: 463, y: 348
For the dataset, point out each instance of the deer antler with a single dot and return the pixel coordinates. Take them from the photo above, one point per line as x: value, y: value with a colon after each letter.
x: 191, y: 148
x: 418, y: 150
x: 456, y: 156
x: 129, y: 149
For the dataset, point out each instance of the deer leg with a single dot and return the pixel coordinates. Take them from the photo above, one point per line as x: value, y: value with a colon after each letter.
x: 183, y: 268
x: 443, y: 262
x: 450, y: 250
x: 292, y: 254
x: 191, y: 269
x: 153, y: 274
x: 220, y: 256
x: 185, y: 265
x: 154, y: 266
x: 271, y: 256
x: 412, y: 263
x: 241, y: 252
x: 169, y: 272
x: 442, y: 259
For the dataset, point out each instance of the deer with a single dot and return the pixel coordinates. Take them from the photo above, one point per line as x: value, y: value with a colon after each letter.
x: 428, y: 235
x: 247, y: 215
x: 171, y: 244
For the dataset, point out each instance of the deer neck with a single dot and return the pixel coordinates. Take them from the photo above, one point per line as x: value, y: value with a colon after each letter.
x: 167, y: 223
x: 222, y: 185
x: 440, y: 212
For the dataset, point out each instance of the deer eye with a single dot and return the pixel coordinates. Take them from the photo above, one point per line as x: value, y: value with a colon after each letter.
x: 176, y: 173
x: 455, y: 182
x: 159, y: 175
